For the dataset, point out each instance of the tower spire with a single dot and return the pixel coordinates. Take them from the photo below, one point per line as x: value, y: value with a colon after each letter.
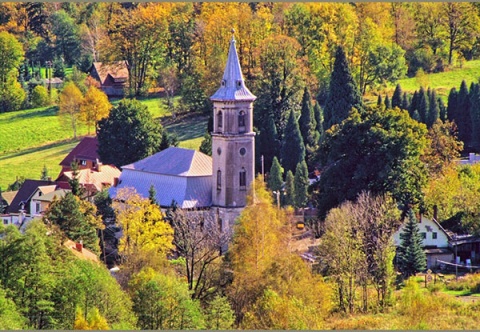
x: 233, y: 86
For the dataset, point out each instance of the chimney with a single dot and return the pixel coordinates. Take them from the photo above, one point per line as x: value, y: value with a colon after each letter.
x: 435, y: 212
x: 79, y: 246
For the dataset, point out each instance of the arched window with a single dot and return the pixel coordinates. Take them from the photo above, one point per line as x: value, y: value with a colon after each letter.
x: 241, y: 121
x: 219, y: 180
x: 243, y: 179
x: 219, y: 119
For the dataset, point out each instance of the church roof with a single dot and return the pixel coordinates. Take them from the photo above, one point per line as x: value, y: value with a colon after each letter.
x: 175, y: 161
x: 233, y: 86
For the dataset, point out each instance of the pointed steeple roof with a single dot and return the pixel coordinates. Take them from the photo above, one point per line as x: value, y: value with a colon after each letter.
x: 233, y: 85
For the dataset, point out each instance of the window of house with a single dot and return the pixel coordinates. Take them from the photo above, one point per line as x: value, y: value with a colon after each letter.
x: 241, y: 121
x: 423, y: 235
x: 219, y: 180
x: 83, y: 162
x: 434, y: 235
x: 37, y: 207
x: 243, y: 179
x: 219, y: 119
x: 5, y: 221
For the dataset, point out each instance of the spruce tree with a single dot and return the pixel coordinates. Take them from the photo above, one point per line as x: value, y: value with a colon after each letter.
x: 433, y: 109
x: 74, y: 183
x: 293, y: 149
x: 44, y: 175
x: 268, y: 142
x: 475, y: 117
x: 397, y: 97
x: 318, y: 113
x: 306, y: 122
x: 411, y: 257
x: 275, y: 176
x: 388, y: 104
x: 289, y: 189
x: 405, y: 103
x: 463, y: 118
x: 443, y: 109
x: 452, y: 105
x: 152, y: 195
x: 422, y: 105
x: 300, y: 184
x: 343, y: 92
x: 379, y: 101
x: 413, y: 104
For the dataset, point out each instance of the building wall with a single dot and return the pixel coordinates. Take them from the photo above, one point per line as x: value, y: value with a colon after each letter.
x: 427, y: 227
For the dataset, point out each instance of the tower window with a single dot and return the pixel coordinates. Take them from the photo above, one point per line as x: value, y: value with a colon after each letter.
x: 243, y: 179
x: 241, y: 121
x: 219, y: 119
x: 219, y: 180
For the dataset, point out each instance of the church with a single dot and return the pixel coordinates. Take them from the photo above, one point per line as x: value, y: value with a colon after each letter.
x: 193, y: 180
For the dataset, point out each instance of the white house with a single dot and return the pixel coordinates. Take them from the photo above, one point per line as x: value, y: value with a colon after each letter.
x: 435, y: 241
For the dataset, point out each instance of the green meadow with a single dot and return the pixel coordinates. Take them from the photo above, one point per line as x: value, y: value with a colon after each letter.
x: 30, y: 139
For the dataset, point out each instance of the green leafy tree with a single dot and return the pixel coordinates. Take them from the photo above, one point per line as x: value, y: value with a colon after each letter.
x: 128, y: 134
x: 10, y: 317
x: 377, y: 151
x: 39, y: 96
x: 206, y: 145
x: 103, y: 202
x: 300, y: 184
x: 219, y: 315
x: 66, y: 37
x: 411, y: 257
x: 293, y: 148
x: 343, y: 94
x: 275, y: 176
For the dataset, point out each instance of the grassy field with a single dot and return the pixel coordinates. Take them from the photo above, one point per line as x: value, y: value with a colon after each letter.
x: 30, y: 139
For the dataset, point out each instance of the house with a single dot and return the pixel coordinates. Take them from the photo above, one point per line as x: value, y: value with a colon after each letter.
x: 180, y: 175
x: 113, y: 77
x: 92, y: 180
x: 436, y: 241
x: 43, y: 197
x: 472, y: 159
x: 79, y: 251
x: 196, y: 181
x: 20, y: 208
x: 55, y: 82
x: 85, y: 154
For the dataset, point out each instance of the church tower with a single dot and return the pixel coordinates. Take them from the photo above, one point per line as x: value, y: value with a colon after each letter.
x: 233, y: 140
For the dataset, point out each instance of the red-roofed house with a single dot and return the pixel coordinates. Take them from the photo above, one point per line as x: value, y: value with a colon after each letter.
x: 85, y: 154
x: 113, y: 77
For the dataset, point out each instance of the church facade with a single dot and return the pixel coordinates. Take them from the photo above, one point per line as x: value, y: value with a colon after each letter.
x: 196, y: 181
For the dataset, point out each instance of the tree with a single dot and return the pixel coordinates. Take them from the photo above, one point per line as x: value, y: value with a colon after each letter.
x: 475, y: 116
x: 293, y: 148
x: 206, y: 145
x: 77, y: 219
x: 377, y: 151
x: 307, y: 122
x: 128, y: 134
x: 269, y: 144
x: 11, y: 56
x: 318, y: 113
x: 388, y: 104
x: 44, y: 176
x: 152, y: 194
x: 10, y: 317
x: 147, y: 237
x: 39, y: 96
x: 343, y: 94
x: 397, y: 97
x: 162, y: 301
x: 452, y: 105
x: 411, y: 257
x: 462, y: 115
x: 405, y: 102
x: 300, y: 184
x: 71, y: 99
x: 275, y: 176
x: 66, y: 37
x: 74, y: 182
x: 199, y: 238
x: 95, y: 107
x: 422, y: 105
x: 289, y: 188
x: 219, y: 315
x: 433, y: 109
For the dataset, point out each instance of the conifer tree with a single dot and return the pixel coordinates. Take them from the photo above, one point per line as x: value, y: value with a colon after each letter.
x: 411, y: 256
x: 318, y: 113
x: 422, y: 105
x: 206, y: 145
x: 379, y: 101
x: 293, y: 149
x: 388, y: 104
x: 433, y: 109
x: 275, y: 177
x: 405, y: 103
x: 152, y: 195
x: 443, y: 109
x: 2, y: 203
x: 300, y: 185
x: 44, y: 175
x: 268, y: 142
x: 462, y: 116
x: 289, y: 189
x: 413, y: 104
x: 306, y: 122
x: 397, y: 97
x: 475, y: 116
x: 74, y: 183
x: 452, y: 105
x: 343, y: 92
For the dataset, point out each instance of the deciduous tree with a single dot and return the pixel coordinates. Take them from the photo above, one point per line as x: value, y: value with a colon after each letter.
x: 71, y: 99
x: 95, y: 106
